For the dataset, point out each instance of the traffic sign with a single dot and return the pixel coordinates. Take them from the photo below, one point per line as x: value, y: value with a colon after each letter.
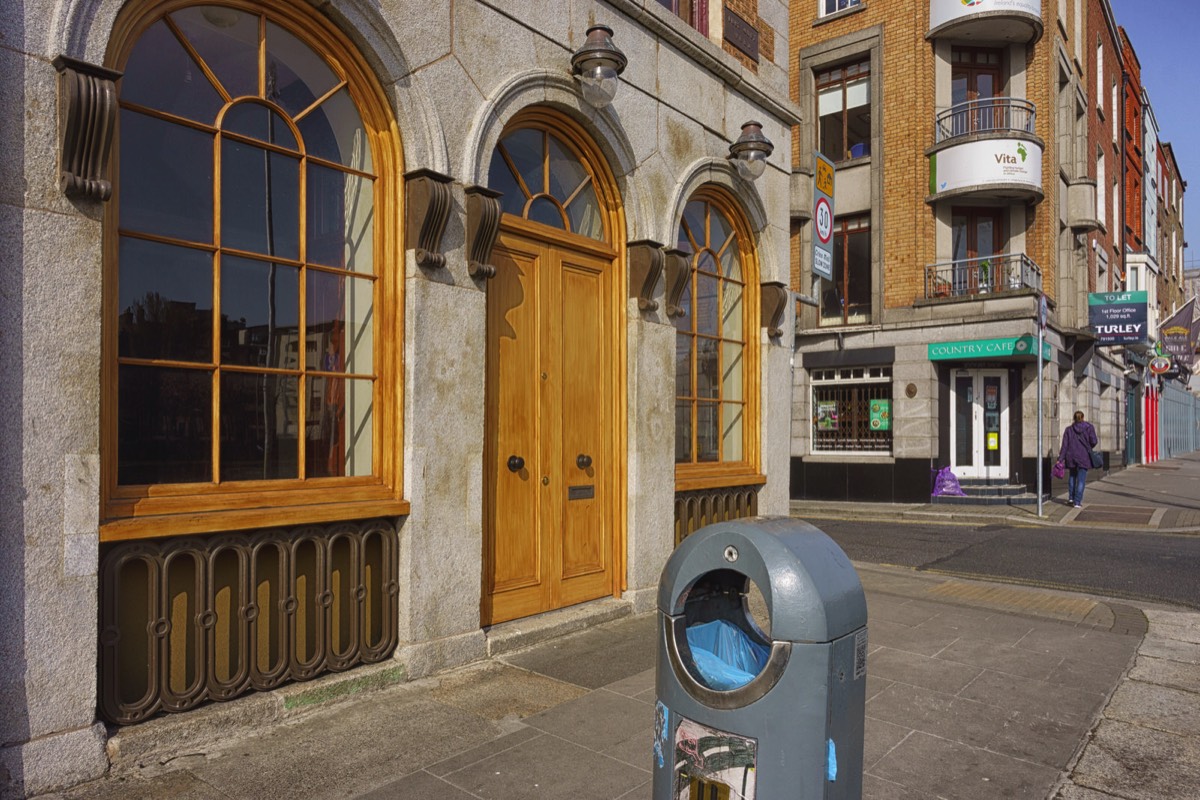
x: 823, y: 183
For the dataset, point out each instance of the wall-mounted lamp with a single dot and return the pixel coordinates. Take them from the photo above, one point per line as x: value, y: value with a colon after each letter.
x: 750, y: 151
x: 598, y: 62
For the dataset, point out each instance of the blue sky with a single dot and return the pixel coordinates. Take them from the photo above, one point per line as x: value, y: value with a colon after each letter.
x: 1166, y: 36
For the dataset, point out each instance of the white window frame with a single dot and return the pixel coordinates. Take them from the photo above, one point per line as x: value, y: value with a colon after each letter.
x: 841, y: 376
x: 824, y: 10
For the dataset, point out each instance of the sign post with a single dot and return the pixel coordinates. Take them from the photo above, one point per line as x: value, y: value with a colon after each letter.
x: 823, y: 219
x: 1043, y: 312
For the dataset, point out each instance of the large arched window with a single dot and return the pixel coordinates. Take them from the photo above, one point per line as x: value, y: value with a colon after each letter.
x: 250, y: 249
x: 716, y: 347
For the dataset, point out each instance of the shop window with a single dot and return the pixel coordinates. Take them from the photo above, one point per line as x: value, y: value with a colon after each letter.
x: 693, y: 12
x: 852, y: 410
x: 245, y: 285
x: 828, y: 7
x: 844, y: 111
x: 846, y: 300
x: 716, y: 354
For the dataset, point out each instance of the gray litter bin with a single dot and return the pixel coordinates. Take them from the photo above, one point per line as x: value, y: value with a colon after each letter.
x: 794, y: 729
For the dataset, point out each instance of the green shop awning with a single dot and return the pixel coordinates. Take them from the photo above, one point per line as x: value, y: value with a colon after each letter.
x: 1018, y: 348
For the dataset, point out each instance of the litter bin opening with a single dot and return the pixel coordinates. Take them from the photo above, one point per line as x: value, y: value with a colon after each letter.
x: 728, y: 647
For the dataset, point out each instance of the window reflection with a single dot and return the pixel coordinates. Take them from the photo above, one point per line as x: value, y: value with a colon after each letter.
x: 292, y: 388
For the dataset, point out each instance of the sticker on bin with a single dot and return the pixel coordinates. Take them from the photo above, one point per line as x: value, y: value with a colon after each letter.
x: 711, y: 763
x: 860, y: 654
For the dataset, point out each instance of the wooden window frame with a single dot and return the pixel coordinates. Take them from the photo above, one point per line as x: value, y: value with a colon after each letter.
x: 842, y: 75
x: 693, y: 12
x: 157, y: 510
x: 691, y: 475
x: 842, y: 228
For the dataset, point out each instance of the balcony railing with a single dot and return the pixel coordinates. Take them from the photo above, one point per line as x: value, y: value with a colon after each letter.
x: 995, y: 114
x: 975, y: 276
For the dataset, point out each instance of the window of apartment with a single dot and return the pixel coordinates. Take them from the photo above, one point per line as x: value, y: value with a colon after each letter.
x: 1100, y: 75
x: 1078, y: 36
x: 1101, y: 189
x: 247, y: 281
x: 852, y: 410
x: 977, y: 236
x: 716, y: 343
x: 831, y: 6
x: 1116, y: 204
x: 976, y: 80
x: 844, y: 111
x: 693, y: 12
x: 846, y: 300
x: 1116, y: 125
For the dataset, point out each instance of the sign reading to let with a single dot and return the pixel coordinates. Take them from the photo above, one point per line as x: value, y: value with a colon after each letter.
x: 1118, y: 317
x: 823, y: 218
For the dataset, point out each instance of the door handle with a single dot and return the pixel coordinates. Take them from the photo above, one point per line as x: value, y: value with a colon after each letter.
x: 515, y: 463
x: 583, y: 461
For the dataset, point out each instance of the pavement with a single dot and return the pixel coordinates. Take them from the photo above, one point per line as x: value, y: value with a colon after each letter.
x: 975, y: 690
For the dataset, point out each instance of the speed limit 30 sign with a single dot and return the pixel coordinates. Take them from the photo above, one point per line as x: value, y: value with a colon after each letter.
x: 824, y: 219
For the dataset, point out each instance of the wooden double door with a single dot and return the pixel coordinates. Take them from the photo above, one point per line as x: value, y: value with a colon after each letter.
x: 550, y: 453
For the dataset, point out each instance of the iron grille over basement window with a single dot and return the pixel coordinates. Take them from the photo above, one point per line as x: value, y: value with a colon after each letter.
x: 852, y: 410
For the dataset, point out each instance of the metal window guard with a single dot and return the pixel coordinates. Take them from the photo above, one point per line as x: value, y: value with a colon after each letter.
x: 995, y: 114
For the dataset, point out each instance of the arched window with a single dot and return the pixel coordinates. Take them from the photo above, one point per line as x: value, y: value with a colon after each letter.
x: 716, y: 347
x: 249, y: 246
x: 544, y: 180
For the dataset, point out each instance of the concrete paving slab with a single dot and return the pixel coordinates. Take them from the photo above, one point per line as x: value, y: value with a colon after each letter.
x: 962, y: 772
x: 474, y: 755
x: 617, y: 651
x: 878, y: 789
x: 639, y: 686
x: 1033, y: 697
x: 549, y: 767
x: 598, y: 720
x: 1139, y: 763
x: 886, y: 609
x: 1170, y: 649
x: 1044, y: 741
x: 922, y: 640
x: 986, y: 654
x: 1089, y: 676
x: 1079, y: 793
x: 497, y: 691
x: 938, y: 714
x: 879, y: 738
x: 1162, y: 672
x: 918, y: 670
x: 182, y: 785
x: 418, y: 786
x: 1157, y: 707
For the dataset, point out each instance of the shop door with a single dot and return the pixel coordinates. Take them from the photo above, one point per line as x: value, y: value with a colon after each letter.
x: 549, y: 469
x: 979, y: 433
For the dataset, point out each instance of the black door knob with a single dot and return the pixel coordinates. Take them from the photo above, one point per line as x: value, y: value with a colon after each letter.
x: 515, y: 463
x: 583, y: 461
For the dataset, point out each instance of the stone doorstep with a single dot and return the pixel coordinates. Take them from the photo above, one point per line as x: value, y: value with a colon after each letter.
x: 155, y: 743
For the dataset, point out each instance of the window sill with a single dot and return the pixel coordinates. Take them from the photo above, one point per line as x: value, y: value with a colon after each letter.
x: 688, y: 479
x: 160, y: 525
x: 843, y: 13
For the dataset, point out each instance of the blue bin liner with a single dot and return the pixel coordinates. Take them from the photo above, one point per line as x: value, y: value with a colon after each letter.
x: 724, y: 655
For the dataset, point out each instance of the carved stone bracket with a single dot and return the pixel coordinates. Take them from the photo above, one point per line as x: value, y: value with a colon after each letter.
x: 645, y: 268
x: 483, y: 228
x: 774, y: 306
x: 679, y: 270
x: 87, y: 114
x: 429, y: 203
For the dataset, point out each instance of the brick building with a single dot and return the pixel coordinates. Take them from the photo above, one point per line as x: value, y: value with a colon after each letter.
x: 977, y: 170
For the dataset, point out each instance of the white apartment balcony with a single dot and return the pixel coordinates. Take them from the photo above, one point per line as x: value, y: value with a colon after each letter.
x: 1018, y: 21
x: 990, y: 275
x: 986, y: 149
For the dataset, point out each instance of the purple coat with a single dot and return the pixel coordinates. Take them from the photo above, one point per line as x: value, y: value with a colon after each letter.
x: 1078, y: 440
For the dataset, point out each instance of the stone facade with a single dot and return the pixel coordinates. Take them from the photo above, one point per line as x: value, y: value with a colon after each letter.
x: 453, y: 75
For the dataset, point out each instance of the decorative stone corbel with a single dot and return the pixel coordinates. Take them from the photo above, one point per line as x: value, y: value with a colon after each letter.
x: 774, y: 305
x: 483, y: 228
x: 679, y: 271
x: 87, y: 114
x: 429, y: 203
x: 645, y: 268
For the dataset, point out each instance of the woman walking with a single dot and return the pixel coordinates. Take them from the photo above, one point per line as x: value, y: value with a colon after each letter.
x: 1076, y: 454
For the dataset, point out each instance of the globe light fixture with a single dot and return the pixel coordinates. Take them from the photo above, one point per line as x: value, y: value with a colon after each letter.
x: 597, y: 63
x: 750, y: 151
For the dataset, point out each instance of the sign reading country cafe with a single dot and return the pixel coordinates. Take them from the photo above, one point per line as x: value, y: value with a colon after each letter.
x: 1118, y: 317
x: 1019, y: 347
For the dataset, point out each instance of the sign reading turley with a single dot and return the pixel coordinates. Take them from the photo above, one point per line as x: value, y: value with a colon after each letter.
x: 1118, y: 317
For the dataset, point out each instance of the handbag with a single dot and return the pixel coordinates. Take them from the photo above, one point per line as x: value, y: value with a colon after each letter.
x: 1097, y: 459
x: 1060, y: 469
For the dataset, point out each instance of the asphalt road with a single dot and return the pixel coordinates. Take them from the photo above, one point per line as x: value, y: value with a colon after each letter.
x: 1132, y: 565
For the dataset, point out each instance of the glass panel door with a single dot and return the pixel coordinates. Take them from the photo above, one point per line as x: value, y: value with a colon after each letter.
x: 979, y: 428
